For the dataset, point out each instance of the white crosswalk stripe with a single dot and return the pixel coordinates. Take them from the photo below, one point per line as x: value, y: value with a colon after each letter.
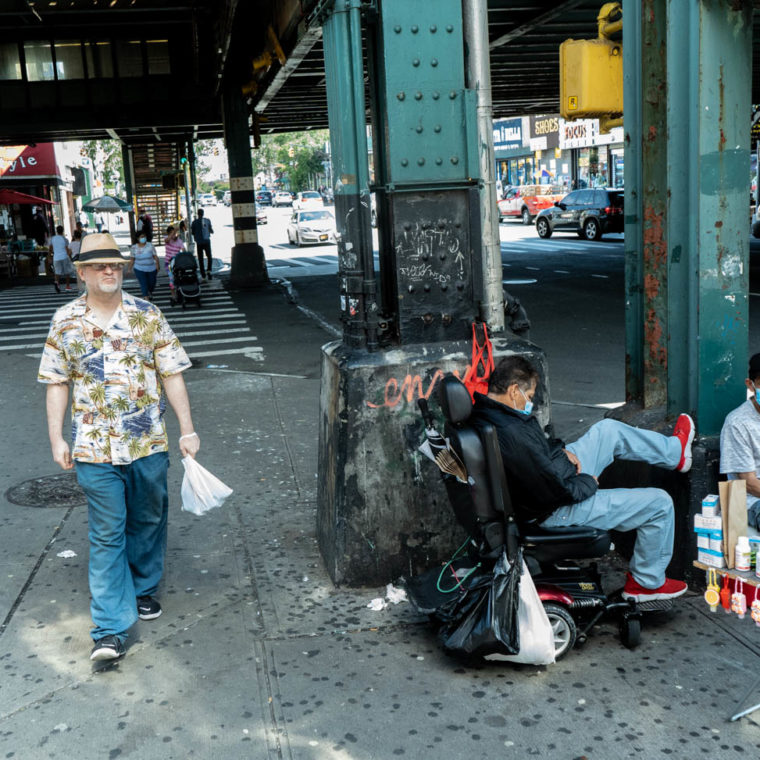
x: 217, y: 329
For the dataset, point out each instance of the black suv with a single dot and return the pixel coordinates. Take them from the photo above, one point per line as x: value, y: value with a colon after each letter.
x: 264, y: 197
x: 590, y: 213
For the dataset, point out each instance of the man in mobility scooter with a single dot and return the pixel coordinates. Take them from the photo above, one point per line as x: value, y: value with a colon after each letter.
x: 556, y: 486
x: 527, y: 489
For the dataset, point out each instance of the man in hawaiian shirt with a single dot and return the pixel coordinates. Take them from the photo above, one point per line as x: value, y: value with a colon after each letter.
x: 123, y: 361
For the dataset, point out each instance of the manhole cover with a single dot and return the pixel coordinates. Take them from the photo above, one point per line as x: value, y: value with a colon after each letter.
x: 51, y: 491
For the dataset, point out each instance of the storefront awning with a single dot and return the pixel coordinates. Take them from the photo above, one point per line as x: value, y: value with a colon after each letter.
x: 8, y: 197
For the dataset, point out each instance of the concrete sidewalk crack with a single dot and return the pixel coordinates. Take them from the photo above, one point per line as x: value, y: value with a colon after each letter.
x: 286, y: 442
x: 20, y: 598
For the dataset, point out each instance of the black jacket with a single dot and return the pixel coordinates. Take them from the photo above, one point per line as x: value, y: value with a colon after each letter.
x: 540, y: 476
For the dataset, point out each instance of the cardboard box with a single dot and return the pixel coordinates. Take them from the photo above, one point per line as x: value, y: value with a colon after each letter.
x: 711, y: 558
x: 708, y: 523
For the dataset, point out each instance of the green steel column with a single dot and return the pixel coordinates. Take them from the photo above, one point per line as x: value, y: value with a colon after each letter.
x: 129, y: 185
x: 709, y: 90
x: 634, y: 341
x: 344, y: 70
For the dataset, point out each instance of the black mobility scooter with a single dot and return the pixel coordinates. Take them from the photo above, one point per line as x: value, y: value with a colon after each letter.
x: 571, y: 592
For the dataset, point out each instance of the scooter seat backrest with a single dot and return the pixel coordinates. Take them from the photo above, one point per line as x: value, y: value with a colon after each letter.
x: 479, y: 451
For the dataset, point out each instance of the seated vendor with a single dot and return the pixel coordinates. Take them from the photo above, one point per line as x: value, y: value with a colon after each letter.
x: 557, y: 485
x: 740, y: 443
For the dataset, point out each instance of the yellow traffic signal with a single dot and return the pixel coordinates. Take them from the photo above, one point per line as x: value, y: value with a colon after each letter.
x: 591, y: 71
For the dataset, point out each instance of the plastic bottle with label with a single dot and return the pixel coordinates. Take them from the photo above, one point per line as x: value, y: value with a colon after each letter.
x: 742, y: 554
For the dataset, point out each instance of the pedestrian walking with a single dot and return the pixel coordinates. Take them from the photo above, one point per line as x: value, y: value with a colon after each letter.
x: 145, y: 224
x: 62, y: 266
x: 99, y: 221
x: 173, y: 245
x: 183, y: 231
x: 202, y: 231
x: 74, y: 246
x: 39, y: 227
x: 145, y: 264
x: 123, y: 361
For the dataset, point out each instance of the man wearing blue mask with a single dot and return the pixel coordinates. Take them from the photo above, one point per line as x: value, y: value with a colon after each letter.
x: 740, y: 443
x: 556, y: 485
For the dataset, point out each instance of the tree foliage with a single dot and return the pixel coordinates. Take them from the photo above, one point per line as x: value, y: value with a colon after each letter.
x: 295, y: 158
x: 105, y: 158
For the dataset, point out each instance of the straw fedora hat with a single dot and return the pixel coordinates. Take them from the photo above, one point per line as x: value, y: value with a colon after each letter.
x: 100, y: 248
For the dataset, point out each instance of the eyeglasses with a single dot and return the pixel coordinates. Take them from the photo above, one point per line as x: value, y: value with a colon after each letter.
x: 103, y: 267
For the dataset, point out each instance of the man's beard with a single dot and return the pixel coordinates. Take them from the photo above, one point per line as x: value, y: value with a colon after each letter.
x: 109, y: 287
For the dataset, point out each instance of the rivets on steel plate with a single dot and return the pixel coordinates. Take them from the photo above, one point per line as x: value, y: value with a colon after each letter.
x: 437, y: 128
x: 415, y: 29
x: 436, y: 95
x: 438, y: 161
x: 397, y: 29
x: 453, y: 95
x: 433, y: 29
x: 418, y: 129
x: 434, y: 62
x: 455, y: 160
x: 401, y: 95
x: 404, y: 162
x: 420, y: 161
x: 418, y: 95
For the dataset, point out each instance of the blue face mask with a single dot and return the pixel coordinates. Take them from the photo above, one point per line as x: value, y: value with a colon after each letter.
x: 757, y: 394
x: 528, y: 404
x: 143, y: 240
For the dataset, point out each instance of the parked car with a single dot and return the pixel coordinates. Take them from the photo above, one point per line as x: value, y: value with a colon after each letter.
x: 261, y: 214
x: 525, y: 201
x: 308, y: 199
x: 282, y: 198
x: 311, y: 226
x: 591, y: 213
x: 207, y: 199
x: 264, y: 197
x: 227, y: 198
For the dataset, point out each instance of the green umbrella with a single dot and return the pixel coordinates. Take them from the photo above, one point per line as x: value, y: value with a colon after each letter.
x: 107, y: 203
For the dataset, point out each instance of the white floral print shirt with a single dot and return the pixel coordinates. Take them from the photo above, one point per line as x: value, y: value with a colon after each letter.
x: 118, y: 401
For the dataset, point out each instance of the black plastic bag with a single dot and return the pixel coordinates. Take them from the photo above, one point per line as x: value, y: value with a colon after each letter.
x: 484, y: 619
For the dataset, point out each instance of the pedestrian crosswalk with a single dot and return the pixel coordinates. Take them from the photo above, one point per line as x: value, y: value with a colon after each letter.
x: 217, y: 329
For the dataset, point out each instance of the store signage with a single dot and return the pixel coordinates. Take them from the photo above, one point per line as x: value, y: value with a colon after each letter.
x: 507, y: 133
x: 582, y: 133
x: 544, y: 132
x: 28, y: 162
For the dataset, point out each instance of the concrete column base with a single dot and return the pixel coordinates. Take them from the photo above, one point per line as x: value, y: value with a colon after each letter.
x: 249, y: 268
x: 382, y: 510
x: 686, y: 490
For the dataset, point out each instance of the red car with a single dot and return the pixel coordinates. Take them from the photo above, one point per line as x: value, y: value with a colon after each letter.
x: 525, y: 201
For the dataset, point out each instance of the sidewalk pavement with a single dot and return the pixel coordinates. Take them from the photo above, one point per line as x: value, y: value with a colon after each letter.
x: 258, y: 655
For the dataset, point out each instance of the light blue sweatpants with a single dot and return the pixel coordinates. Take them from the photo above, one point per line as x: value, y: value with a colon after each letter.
x: 648, y: 511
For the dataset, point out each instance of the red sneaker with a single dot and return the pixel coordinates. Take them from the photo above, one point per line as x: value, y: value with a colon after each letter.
x: 684, y: 431
x: 669, y: 590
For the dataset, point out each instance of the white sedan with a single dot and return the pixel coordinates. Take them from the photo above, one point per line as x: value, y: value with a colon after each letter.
x: 311, y: 227
x: 281, y: 198
x: 308, y: 199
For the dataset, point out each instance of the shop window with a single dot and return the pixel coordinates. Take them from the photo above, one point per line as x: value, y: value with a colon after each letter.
x: 129, y: 57
x: 39, y: 61
x: 10, y: 65
x: 99, y: 61
x: 158, y: 56
x: 68, y: 60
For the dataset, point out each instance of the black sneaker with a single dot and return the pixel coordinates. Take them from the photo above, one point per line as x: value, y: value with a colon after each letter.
x: 57, y: 287
x: 210, y: 276
x: 148, y: 608
x: 108, y: 648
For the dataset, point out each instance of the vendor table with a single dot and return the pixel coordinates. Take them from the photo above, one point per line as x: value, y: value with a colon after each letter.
x: 752, y: 580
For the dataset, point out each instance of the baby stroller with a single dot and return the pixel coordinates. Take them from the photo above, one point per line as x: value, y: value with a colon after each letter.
x: 186, y: 282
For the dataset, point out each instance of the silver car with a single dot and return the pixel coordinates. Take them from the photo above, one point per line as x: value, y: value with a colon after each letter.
x: 317, y: 226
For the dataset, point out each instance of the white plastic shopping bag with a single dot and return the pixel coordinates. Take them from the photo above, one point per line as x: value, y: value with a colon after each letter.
x: 536, y: 635
x: 201, y: 490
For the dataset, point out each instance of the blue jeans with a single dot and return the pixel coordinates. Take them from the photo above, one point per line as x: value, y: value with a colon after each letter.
x: 128, y: 506
x: 648, y: 511
x: 147, y: 281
